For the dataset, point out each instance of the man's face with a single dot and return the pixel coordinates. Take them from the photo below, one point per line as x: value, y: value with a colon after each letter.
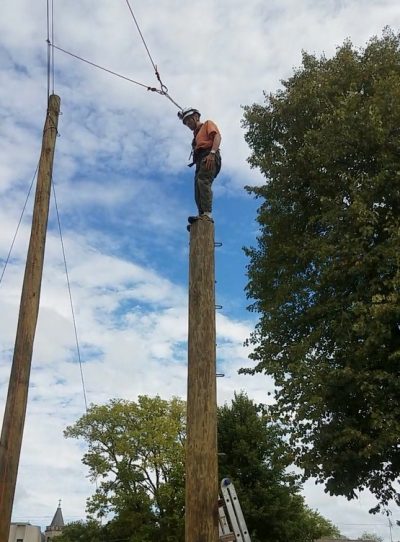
x: 190, y: 122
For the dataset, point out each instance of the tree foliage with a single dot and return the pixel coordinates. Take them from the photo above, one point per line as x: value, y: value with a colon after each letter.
x: 136, y: 455
x: 79, y: 531
x: 256, y: 460
x: 325, y: 275
x: 371, y: 536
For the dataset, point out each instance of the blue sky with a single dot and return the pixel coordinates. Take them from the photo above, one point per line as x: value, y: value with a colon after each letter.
x: 124, y: 193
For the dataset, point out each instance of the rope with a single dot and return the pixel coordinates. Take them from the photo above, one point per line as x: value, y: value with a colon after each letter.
x: 148, y: 87
x: 171, y: 100
x: 72, y: 309
x: 19, y: 223
x: 141, y: 35
x: 70, y: 299
x: 164, y: 88
x: 107, y: 70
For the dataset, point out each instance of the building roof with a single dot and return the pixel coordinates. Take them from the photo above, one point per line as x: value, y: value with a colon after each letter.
x: 58, y: 521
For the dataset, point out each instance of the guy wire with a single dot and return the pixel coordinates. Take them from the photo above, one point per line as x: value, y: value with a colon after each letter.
x: 70, y: 299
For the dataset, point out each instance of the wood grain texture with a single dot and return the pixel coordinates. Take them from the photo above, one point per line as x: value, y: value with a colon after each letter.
x: 14, y: 415
x: 201, y: 511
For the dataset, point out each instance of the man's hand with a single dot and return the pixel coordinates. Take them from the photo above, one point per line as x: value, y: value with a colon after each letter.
x: 209, y: 161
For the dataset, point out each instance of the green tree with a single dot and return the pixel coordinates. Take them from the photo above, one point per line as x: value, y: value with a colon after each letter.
x: 255, y: 457
x: 136, y: 454
x: 370, y: 536
x: 78, y: 531
x: 325, y: 275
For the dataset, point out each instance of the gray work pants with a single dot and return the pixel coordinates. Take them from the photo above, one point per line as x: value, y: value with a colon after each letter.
x: 203, y: 179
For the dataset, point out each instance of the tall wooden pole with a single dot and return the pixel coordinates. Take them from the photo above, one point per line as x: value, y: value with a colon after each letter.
x: 201, y: 511
x: 14, y: 415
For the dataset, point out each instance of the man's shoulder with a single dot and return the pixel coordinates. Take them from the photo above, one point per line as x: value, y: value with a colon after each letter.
x: 211, y: 125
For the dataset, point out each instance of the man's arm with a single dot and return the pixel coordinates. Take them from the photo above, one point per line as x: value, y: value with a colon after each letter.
x: 216, y: 142
x: 209, y: 160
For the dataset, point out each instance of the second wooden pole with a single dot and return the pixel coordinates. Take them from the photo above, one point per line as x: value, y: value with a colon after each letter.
x: 14, y: 415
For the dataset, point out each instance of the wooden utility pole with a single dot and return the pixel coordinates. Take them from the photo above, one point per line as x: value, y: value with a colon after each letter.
x: 201, y: 511
x: 14, y: 415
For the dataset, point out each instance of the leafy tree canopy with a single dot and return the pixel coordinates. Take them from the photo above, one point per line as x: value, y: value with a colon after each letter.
x: 78, y: 531
x: 325, y: 275
x: 371, y: 536
x: 255, y: 457
x: 136, y: 454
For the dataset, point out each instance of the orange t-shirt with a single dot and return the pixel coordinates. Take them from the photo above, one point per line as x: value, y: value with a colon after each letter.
x: 205, y: 136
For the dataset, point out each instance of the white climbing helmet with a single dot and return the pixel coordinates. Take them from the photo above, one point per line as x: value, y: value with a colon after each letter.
x: 188, y: 112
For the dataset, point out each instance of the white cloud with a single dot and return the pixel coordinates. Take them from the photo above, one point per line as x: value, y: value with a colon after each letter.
x: 124, y: 192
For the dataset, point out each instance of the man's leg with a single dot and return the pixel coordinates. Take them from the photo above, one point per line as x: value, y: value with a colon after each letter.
x: 204, y: 180
x: 197, y: 190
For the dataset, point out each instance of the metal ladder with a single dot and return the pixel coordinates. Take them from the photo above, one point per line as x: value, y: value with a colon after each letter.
x: 232, y: 526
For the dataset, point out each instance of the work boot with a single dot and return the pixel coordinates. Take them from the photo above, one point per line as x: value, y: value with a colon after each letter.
x: 206, y: 216
x: 192, y: 219
x: 188, y: 228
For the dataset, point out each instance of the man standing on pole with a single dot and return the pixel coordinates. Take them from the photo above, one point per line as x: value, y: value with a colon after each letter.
x: 206, y: 158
